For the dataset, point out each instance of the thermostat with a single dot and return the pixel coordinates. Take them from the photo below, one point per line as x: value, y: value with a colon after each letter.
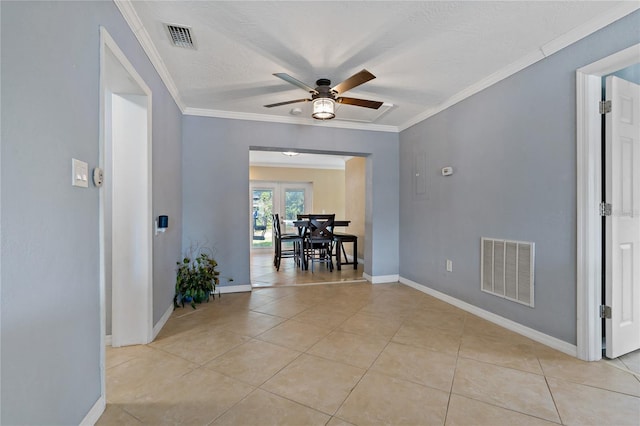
x: 447, y: 171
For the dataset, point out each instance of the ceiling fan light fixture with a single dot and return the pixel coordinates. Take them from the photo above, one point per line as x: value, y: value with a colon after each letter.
x: 323, y: 108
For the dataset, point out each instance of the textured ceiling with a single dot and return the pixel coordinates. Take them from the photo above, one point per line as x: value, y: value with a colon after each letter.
x: 425, y: 55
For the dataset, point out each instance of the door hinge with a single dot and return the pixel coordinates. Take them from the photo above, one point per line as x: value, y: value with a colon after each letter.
x: 605, y: 107
x: 605, y: 311
x: 605, y: 209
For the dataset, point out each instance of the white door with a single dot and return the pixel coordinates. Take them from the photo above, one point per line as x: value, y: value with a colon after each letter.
x: 622, y: 278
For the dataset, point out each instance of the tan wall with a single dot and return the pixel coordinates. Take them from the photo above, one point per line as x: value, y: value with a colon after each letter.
x: 355, y: 175
x: 328, y: 185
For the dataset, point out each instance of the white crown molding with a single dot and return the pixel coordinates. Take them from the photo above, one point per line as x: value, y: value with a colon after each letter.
x: 477, y: 87
x: 134, y: 22
x: 590, y: 27
x: 530, y: 59
x: 289, y: 120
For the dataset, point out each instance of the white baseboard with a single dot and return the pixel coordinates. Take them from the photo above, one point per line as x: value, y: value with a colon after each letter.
x: 156, y: 328
x: 381, y: 279
x: 163, y: 320
x: 532, y: 334
x: 223, y: 289
x: 96, y: 411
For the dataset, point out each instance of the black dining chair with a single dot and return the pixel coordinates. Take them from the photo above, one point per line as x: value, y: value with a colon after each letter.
x: 319, y: 241
x: 280, y: 239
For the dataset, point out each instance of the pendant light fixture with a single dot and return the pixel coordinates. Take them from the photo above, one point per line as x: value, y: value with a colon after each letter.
x: 323, y: 108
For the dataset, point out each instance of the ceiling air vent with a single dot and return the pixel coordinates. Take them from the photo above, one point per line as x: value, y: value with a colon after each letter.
x: 180, y: 36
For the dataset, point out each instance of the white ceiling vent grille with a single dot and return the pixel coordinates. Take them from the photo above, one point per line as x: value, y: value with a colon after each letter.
x: 507, y: 269
x: 180, y: 36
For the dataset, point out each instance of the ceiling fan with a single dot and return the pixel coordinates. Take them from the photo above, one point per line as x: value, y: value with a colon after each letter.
x: 324, y: 97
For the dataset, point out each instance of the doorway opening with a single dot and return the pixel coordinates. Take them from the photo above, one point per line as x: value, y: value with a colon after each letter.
x: 125, y: 200
x: 590, y: 241
x: 309, y: 182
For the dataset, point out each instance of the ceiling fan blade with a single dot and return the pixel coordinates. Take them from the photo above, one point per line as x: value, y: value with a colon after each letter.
x: 360, y: 102
x: 353, y: 81
x: 287, y: 103
x: 296, y: 82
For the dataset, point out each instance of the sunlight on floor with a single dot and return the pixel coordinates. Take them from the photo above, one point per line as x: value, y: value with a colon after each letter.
x: 264, y: 274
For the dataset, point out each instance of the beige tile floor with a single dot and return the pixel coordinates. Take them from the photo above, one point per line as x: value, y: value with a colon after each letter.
x: 263, y: 274
x: 356, y: 354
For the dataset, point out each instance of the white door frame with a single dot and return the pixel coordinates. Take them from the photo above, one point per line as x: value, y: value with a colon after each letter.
x: 589, y: 190
x: 107, y: 44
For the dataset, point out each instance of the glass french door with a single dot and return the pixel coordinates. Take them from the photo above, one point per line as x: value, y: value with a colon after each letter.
x: 287, y: 199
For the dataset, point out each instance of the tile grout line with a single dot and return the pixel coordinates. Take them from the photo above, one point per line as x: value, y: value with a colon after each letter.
x: 455, y: 370
x: 366, y: 300
x: 555, y: 405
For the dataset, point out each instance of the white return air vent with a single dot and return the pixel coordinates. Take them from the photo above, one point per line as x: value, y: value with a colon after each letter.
x: 180, y: 36
x: 507, y: 269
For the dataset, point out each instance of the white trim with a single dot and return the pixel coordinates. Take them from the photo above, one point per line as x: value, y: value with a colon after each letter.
x: 381, y: 279
x: 492, y: 79
x: 107, y: 340
x: 101, y: 232
x: 224, y: 289
x: 95, y: 412
x: 588, y: 190
x: 530, y: 59
x: 532, y: 334
x: 335, y: 123
x: 298, y: 166
x: 590, y: 27
x: 110, y: 43
x: 135, y: 23
x: 589, y: 243
x: 163, y: 320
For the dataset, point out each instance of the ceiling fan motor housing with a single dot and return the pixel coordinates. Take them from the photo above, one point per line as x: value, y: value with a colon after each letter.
x: 324, y: 89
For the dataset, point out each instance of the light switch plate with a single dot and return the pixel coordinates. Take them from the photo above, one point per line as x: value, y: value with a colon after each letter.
x: 79, y: 173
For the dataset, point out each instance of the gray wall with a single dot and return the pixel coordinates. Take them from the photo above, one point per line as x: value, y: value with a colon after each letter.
x: 50, y: 312
x: 215, y: 162
x: 630, y: 73
x: 513, y: 149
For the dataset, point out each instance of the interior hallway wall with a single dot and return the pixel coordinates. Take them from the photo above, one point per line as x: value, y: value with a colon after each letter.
x: 355, y: 190
x: 513, y: 150
x: 215, y: 157
x: 50, y: 274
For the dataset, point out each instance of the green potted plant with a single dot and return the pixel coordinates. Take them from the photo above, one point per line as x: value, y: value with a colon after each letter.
x: 196, y: 280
